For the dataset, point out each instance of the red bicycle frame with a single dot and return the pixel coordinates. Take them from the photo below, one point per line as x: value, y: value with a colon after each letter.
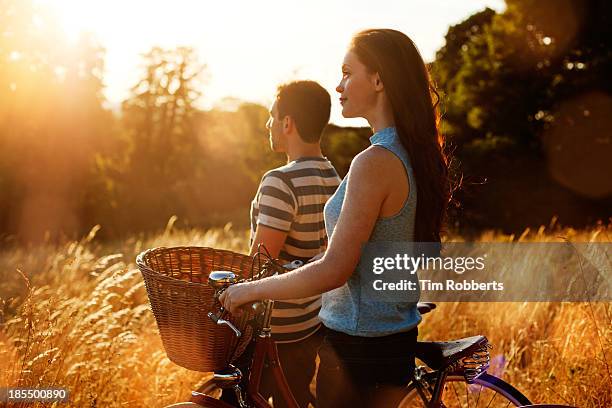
x: 265, y: 347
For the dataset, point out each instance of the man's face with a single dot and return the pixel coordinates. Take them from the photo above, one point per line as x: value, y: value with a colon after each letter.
x: 278, y: 141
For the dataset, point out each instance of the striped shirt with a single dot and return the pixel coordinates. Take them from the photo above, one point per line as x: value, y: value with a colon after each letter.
x: 291, y: 199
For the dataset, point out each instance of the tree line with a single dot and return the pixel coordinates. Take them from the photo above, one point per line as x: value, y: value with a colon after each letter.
x: 525, y: 103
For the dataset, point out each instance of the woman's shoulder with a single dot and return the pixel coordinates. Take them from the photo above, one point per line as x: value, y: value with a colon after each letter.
x: 375, y: 158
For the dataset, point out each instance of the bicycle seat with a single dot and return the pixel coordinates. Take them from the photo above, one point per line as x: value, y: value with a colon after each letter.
x: 425, y: 307
x: 441, y: 354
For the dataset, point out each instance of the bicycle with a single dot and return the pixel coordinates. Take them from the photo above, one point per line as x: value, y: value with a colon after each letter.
x: 463, y: 362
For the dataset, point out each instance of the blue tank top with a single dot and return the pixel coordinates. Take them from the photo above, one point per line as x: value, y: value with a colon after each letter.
x: 344, y: 309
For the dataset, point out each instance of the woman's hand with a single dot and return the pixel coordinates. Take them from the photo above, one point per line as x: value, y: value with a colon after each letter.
x: 236, y: 295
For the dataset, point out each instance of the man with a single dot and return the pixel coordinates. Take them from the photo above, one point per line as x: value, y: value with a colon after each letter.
x: 287, y: 217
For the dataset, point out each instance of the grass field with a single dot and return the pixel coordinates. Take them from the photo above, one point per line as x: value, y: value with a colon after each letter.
x: 77, y: 316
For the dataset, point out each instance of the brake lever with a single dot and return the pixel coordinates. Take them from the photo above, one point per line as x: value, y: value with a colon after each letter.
x: 220, y: 321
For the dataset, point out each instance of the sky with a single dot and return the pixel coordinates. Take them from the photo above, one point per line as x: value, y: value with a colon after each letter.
x: 249, y: 47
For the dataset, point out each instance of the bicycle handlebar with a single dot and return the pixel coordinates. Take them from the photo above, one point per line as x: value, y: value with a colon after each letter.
x: 221, y: 280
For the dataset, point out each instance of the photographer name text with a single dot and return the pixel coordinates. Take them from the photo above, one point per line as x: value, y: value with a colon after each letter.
x: 429, y: 285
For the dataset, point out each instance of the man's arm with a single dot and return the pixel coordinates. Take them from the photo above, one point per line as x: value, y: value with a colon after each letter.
x: 277, y: 209
x: 273, y: 239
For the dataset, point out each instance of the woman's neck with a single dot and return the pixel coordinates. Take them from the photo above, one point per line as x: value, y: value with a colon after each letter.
x: 381, y: 116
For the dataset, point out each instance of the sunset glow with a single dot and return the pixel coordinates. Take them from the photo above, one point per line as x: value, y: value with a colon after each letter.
x: 249, y: 47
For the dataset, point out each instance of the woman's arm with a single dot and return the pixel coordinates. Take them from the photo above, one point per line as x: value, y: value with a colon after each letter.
x: 366, y: 190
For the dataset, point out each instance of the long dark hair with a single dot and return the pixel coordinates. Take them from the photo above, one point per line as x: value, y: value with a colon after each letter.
x: 414, y: 101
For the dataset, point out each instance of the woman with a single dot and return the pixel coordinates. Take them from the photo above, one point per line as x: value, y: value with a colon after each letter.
x: 368, y: 348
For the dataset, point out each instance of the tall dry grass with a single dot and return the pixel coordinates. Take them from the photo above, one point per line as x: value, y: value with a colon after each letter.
x: 77, y: 316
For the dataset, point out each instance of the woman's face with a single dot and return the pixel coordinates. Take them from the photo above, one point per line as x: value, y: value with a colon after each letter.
x: 357, y: 88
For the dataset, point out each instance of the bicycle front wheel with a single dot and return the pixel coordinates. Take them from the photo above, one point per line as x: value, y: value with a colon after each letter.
x: 486, y: 391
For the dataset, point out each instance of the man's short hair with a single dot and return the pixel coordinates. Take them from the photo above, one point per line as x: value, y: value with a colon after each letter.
x: 309, y: 104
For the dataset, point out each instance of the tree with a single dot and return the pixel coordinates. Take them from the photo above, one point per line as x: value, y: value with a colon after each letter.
x: 511, y: 84
x: 159, y: 152
x: 503, y: 74
x: 445, y: 69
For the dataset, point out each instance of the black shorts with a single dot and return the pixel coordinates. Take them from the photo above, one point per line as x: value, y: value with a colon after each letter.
x: 364, y: 371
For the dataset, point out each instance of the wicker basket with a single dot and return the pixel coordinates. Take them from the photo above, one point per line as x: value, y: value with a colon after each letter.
x: 176, y: 281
